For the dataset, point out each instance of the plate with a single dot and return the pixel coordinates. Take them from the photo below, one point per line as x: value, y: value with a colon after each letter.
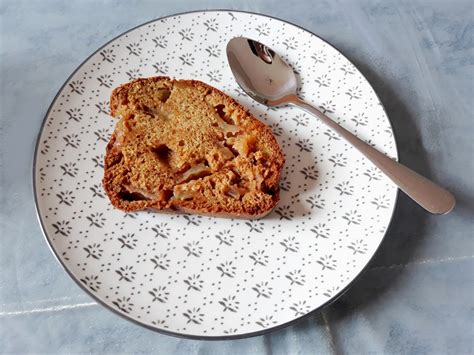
x: 206, y: 277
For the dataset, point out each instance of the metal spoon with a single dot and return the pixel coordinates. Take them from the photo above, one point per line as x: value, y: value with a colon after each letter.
x: 264, y: 76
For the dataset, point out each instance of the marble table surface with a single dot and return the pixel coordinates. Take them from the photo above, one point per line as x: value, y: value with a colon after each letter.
x: 417, y: 295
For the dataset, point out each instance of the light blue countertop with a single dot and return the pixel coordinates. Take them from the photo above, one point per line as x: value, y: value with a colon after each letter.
x: 417, y: 295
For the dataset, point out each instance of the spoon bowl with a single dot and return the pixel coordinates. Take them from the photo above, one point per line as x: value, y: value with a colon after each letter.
x: 265, y: 77
x: 260, y: 72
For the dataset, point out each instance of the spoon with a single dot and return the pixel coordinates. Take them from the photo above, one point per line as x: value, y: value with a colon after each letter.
x: 265, y: 77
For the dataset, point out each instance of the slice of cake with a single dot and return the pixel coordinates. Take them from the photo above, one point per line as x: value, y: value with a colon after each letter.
x: 184, y: 145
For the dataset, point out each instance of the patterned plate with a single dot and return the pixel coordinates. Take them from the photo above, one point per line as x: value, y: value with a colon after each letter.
x: 207, y: 277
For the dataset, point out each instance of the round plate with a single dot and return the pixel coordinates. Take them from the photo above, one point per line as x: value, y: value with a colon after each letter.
x: 213, y: 277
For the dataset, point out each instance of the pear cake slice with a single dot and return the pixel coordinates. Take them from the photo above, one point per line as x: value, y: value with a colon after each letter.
x: 183, y: 145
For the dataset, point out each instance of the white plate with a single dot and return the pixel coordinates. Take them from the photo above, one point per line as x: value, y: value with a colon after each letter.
x: 207, y: 277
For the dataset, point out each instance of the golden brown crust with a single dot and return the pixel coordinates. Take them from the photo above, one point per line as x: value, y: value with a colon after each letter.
x: 182, y: 145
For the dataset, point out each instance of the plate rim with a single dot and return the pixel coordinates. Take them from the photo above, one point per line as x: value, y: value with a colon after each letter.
x: 164, y: 331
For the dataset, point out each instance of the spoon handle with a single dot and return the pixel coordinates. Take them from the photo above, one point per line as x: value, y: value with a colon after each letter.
x: 426, y: 193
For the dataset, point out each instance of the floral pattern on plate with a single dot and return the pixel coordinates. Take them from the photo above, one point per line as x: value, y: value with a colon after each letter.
x: 207, y: 277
